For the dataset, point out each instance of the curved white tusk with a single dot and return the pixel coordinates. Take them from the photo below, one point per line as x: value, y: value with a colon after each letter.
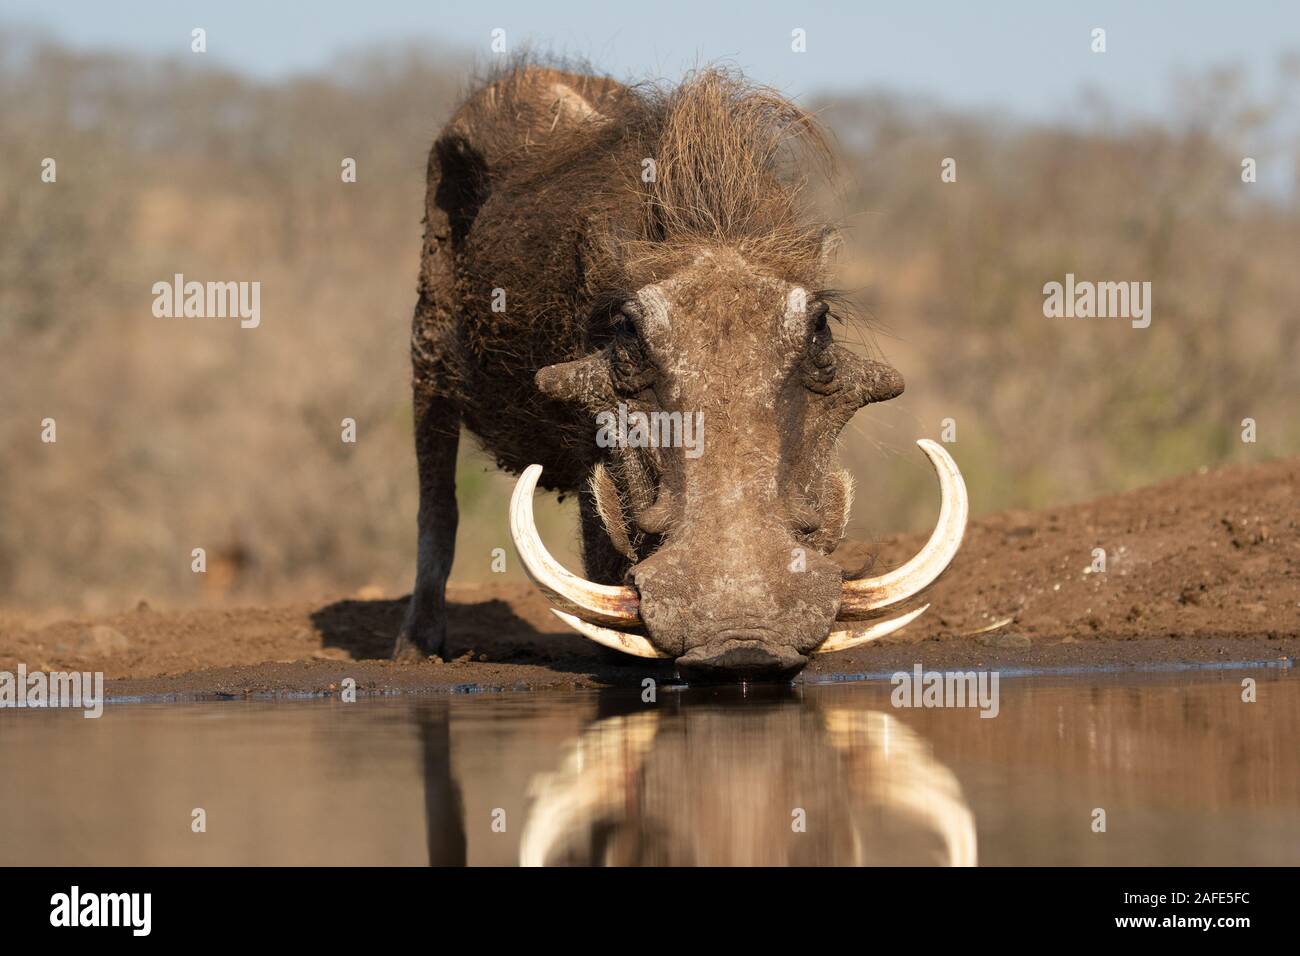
x: 843, y: 640
x: 862, y: 597
x: 601, y: 603
x: 626, y: 641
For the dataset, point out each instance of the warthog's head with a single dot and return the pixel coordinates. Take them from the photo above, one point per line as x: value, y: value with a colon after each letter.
x: 728, y: 529
x: 720, y: 347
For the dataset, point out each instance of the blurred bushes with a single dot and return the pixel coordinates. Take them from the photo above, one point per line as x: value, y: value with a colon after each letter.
x: 176, y: 434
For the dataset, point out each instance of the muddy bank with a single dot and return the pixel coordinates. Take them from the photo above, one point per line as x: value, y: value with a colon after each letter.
x: 310, y: 677
x: 1202, y: 568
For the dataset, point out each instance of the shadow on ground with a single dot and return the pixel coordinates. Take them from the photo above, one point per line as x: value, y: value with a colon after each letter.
x: 482, y: 631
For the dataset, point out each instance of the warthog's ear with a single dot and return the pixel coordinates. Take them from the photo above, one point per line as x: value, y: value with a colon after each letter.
x: 832, y: 242
x: 571, y: 105
x: 585, y: 381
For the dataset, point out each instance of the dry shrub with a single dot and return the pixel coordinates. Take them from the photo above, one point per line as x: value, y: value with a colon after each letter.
x: 176, y: 434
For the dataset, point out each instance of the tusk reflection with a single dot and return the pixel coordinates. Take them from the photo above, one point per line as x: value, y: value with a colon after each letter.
x: 773, y: 783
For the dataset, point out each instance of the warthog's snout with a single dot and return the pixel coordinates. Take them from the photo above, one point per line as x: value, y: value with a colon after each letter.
x: 721, y: 607
x: 718, y: 618
x: 739, y: 658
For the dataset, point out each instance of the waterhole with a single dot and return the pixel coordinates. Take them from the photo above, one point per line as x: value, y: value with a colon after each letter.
x: 1085, y: 769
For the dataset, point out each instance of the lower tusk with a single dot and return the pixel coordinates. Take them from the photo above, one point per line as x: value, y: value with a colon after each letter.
x: 866, y: 597
x: 625, y: 641
x: 843, y: 640
x: 602, y: 603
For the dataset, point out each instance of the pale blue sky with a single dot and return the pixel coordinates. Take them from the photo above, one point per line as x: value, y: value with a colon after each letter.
x: 1023, y: 57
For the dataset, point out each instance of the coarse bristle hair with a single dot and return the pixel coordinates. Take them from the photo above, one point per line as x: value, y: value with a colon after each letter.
x: 731, y: 160
x: 726, y: 154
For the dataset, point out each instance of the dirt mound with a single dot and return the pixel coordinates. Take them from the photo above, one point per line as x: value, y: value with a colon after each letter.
x: 1202, y: 567
x: 1215, y: 554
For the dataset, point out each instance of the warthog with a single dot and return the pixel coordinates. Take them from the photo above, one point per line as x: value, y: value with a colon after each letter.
x: 590, y: 245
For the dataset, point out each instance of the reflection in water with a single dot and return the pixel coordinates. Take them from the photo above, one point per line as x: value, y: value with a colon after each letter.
x: 760, y: 785
x: 443, y: 812
x: 1187, y: 771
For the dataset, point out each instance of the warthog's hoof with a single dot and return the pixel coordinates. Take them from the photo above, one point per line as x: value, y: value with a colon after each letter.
x: 406, y: 649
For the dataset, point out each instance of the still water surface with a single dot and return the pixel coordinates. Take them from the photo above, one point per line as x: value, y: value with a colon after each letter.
x: 1186, y: 772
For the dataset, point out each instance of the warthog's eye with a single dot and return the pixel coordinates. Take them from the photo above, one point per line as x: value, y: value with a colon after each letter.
x: 819, y: 360
x: 818, y: 319
x: 632, y: 369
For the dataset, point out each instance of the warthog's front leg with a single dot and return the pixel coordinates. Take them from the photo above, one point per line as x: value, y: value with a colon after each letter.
x: 437, y: 431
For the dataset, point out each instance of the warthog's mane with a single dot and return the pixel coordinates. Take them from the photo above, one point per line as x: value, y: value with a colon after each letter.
x: 731, y: 162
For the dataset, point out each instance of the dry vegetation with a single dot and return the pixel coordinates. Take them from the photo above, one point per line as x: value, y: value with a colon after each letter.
x: 175, y: 434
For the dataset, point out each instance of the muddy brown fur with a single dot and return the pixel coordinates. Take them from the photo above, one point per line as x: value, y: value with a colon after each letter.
x: 537, y: 201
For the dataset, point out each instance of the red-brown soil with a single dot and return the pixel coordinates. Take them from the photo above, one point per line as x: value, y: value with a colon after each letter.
x: 1205, y: 567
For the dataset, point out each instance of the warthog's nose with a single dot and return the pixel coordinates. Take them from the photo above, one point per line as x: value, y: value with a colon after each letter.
x: 735, y: 656
x: 736, y: 614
